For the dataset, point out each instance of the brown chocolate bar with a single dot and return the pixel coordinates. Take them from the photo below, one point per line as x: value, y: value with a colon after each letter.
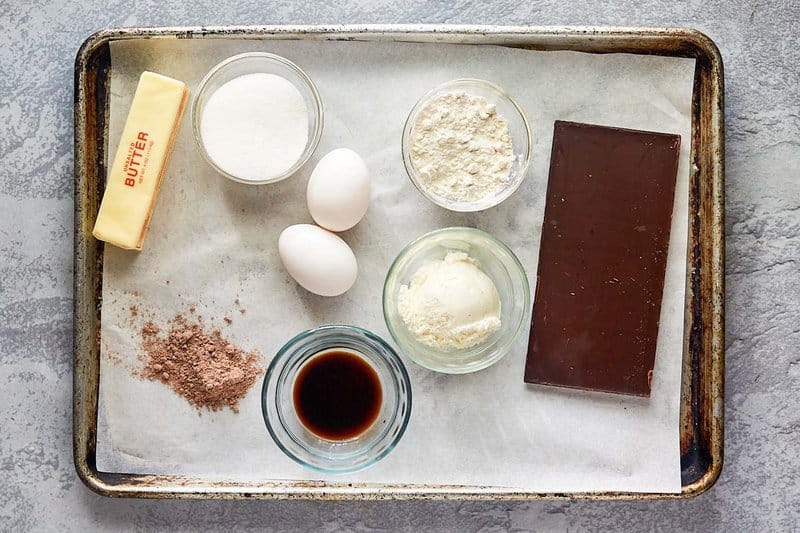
x: 602, y: 258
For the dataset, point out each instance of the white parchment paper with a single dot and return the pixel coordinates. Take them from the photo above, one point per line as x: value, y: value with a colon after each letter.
x: 212, y: 240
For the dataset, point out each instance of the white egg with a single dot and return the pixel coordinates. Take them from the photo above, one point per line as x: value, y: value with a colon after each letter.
x: 338, y: 190
x: 318, y: 260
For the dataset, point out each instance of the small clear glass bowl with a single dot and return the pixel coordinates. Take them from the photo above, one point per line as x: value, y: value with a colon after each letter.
x: 518, y: 127
x: 251, y: 63
x: 336, y: 456
x: 497, y: 261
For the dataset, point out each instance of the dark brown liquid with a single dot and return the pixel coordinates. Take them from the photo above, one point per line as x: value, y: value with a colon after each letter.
x: 337, y: 395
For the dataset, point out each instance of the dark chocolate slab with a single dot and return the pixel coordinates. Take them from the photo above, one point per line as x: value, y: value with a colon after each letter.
x: 602, y: 258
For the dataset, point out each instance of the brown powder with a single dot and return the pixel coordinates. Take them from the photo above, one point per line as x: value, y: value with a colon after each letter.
x: 203, y: 367
x: 112, y: 357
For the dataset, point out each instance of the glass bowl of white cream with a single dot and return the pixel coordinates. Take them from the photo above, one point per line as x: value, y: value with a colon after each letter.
x: 456, y: 300
x: 257, y: 118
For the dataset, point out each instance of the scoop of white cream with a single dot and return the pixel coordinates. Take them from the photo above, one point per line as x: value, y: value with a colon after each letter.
x: 450, y: 304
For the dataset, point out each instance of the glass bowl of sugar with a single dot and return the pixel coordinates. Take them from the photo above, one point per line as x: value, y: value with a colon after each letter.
x: 257, y: 118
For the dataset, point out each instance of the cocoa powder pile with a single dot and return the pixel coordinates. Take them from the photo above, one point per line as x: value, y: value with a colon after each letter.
x: 203, y: 367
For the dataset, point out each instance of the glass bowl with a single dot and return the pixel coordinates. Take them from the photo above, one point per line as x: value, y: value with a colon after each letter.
x: 336, y: 456
x: 497, y: 261
x: 519, y: 131
x: 251, y: 63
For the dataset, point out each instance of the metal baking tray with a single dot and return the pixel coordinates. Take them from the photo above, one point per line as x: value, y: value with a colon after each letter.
x: 701, y: 419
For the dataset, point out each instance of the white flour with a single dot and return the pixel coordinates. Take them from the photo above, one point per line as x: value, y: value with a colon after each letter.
x: 255, y: 127
x: 461, y: 147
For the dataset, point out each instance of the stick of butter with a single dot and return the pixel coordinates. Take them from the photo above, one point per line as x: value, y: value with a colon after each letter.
x: 144, y: 148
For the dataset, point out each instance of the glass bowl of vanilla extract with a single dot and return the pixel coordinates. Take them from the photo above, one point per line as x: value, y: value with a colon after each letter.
x: 336, y: 398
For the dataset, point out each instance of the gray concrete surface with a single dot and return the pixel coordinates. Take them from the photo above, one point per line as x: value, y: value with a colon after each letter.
x: 760, y: 487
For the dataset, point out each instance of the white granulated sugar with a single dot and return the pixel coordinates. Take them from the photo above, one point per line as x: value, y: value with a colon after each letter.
x: 461, y: 147
x: 255, y: 126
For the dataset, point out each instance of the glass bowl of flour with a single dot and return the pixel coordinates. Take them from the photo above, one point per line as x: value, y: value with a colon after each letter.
x: 466, y: 145
x: 456, y: 300
x: 257, y: 118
